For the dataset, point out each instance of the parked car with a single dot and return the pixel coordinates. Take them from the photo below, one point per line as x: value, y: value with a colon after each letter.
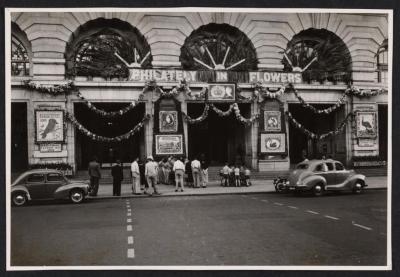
x: 41, y: 184
x: 320, y: 176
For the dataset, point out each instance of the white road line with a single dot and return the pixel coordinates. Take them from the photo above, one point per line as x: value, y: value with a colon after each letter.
x: 362, y: 226
x: 129, y: 220
x: 130, y: 240
x: 311, y: 212
x: 254, y: 198
x: 128, y: 214
x: 383, y: 234
x: 131, y: 253
x: 331, y: 217
x: 129, y: 228
x: 264, y: 200
x: 293, y: 207
x: 277, y: 203
x: 129, y: 210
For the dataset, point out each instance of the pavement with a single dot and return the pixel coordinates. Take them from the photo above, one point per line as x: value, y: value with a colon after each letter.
x: 214, y: 188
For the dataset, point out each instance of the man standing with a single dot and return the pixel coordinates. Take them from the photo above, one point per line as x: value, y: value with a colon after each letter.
x: 179, y: 169
x: 118, y: 175
x: 151, y: 174
x: 196, y: 172
x: 95, y: 175
x: 135, y: 173
x: 204, y: 172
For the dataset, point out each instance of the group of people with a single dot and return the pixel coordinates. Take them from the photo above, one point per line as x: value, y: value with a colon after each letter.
x: 178, y: 171
x: 235, y: 176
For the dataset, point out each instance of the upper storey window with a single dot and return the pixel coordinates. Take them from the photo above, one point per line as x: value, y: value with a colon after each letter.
x: 382, y: 62
x: 20, y: 64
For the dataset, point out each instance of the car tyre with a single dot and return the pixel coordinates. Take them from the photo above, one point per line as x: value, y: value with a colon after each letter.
x: 19, y: 198
x: 318, y: 190
x: 280, y: 188
x: 76, y: 196
x: 357, y: 188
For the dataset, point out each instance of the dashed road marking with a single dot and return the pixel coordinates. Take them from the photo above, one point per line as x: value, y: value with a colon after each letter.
x: 128, y: 214
x: 130, y: 240
x: 131, y: 253
x: 254, y: 198
x: 129, y: 210
x: 264, y: 200
x: 362, y: 226
x: 129, y: 228
x: 129, y: 220
x: 331, y: 217
x: 293, y: 207
x: 312, y: 212
x: 277, y: 203
x: 382, y: 234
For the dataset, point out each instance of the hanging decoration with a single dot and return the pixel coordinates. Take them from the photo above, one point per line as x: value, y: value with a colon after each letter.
x: 198, y: 96
x: 241, y: 118
x: 315, y: 136
x: 364, y: 92
x: 265, y: 92
x: 199, y: 119
x: 222, y: 113
x: 93, y: 136
x: 53, y: 90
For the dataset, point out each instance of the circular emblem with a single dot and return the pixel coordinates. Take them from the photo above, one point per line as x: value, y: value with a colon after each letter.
x: 272, y: 143
x: 217, y: 91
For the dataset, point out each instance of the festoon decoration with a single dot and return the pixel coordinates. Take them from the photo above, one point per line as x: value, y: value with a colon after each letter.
x: 54, y: 90
x: 365, y: 92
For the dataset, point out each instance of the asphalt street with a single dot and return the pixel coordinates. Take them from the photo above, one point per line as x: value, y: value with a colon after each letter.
x: 243, y: 229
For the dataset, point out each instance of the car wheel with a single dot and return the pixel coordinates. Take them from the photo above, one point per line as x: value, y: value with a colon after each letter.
x: 280, y: 188
x: 19, y: 198
x: 358, y: 188
x: 318, y: 190
x: 76, y: 196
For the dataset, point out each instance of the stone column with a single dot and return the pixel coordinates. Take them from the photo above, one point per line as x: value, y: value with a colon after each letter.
x: 185, y: 125
x: 148, y: 127
x: 254, y: 136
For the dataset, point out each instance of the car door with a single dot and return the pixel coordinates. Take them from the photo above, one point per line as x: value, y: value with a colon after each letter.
x: 54, y: 180
x: 326, y: 170
x: 341, y: 173
x: 36, y: 185
x: 330, y: 174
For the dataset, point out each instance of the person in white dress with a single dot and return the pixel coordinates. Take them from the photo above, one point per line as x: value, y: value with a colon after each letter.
x: 135, y: 173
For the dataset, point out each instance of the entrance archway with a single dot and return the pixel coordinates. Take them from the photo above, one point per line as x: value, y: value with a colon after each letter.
x: 19, y: 137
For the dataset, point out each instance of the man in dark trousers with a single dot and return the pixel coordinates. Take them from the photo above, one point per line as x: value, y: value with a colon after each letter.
x: 117, y: 174
x: 95, y: 175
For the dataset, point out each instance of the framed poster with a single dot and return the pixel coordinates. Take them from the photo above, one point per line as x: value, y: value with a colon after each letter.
x: 49, y: 126
x: 273, y: 143
x: 221, y: 92
x: 169, y: 145
x: 168, y: 121
x: 272, y: 121
x: 366, y: 124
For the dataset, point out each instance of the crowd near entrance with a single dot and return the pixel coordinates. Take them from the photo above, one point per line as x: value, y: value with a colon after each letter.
x: 220, y: 139
x: 108, y: 152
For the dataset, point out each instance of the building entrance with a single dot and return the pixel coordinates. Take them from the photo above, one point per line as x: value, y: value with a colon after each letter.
x: 220, y: 139
x: 300, y: 146
x: 106, y: 152
x: 19, y: 137
x: 383, y: 131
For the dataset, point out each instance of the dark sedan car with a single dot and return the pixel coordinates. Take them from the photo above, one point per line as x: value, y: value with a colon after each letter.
x: 320, y: 176
x: 41, y: 184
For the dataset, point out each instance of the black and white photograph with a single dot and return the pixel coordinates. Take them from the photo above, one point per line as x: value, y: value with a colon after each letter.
x: 198, y: 138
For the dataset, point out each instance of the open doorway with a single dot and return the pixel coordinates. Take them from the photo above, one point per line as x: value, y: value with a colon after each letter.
x: 383, y: 131
x: 19, y: 137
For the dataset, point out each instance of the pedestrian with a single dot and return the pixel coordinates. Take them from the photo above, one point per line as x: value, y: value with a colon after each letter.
x: 232, y: 176
x: 95, y: 175
x: 135, y: 173
x: 225, y: 174
x: 143, y: 181
x: 170, y: 172
x: 196, y: 172
x: 237, y: 176
x: 179, y: 169
x: 247, y: 176
x: 204, y: 172
x: 160, y: 176
x: 151, y: 174
x: 188, y: 171
x: 118, y: 175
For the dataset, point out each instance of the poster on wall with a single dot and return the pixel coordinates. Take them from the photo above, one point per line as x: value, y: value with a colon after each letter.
x: 366, y: 124
x: 272, y: 121
x: 221, y: 92
x: 50, y: 147
x: 273, y: 143
x: 169, y: 145
x: 168, y: 121
x: 49, y: 126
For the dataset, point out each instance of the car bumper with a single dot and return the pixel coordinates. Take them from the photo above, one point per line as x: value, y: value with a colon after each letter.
x: 297, y: 188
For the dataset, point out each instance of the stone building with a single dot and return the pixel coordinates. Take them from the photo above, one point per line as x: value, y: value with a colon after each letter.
x: 82, y: 83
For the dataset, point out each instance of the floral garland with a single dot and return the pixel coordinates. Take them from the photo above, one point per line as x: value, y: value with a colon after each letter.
x: 315, y: 136
x: 222, y: 113
x: 54, y: 90
x: 266, y: 92
x: 241, y: 118
x: 199, y: 119
x: 93, y: 136
x: 364, y: 92
x: 198, y: 96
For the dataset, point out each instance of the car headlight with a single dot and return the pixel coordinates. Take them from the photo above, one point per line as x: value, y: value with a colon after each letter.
x: 299, y: 183
x: 287, y: 183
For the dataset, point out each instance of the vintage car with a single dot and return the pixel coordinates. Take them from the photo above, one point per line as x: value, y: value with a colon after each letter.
x: 41, y: 184
x: 321, y: 176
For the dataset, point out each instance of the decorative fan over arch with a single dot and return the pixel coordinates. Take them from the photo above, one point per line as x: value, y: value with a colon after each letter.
x: 319, y: 54
x: 218, y: 47
x: 107, y: 48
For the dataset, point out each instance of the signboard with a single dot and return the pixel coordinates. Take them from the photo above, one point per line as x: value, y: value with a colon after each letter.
x: 50, y: 147
x: 272, y: 121
x: 49, y: 126
x: 168, y: 121
x: 273, y: 143
x: 366, y: 124
x: 366, y: 142
x: 169, y: 145
x: 143, y: 75
x: 221, y: 92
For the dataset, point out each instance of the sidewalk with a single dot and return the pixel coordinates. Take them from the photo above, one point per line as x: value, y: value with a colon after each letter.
x: 214, y: 188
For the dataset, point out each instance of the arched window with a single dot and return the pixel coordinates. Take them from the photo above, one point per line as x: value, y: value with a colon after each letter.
x: 319, y: 55
x: 382, y: 62
x: 20, y: 64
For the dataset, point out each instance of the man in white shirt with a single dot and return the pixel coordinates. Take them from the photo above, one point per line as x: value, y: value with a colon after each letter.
x: 179, y: 169
x: 151, y: 174
x: 196, y: 172
x: 135, y: 173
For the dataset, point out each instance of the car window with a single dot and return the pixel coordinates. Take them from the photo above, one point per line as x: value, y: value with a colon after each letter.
x: 54, y: 177
x: 302, y: 166
x: 35, y: 178
x: 330, y: 166
x: 339, y: 166
x: 320, y: 168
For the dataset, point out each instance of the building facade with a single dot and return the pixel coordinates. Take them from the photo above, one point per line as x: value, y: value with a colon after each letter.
x: 265, y: 89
